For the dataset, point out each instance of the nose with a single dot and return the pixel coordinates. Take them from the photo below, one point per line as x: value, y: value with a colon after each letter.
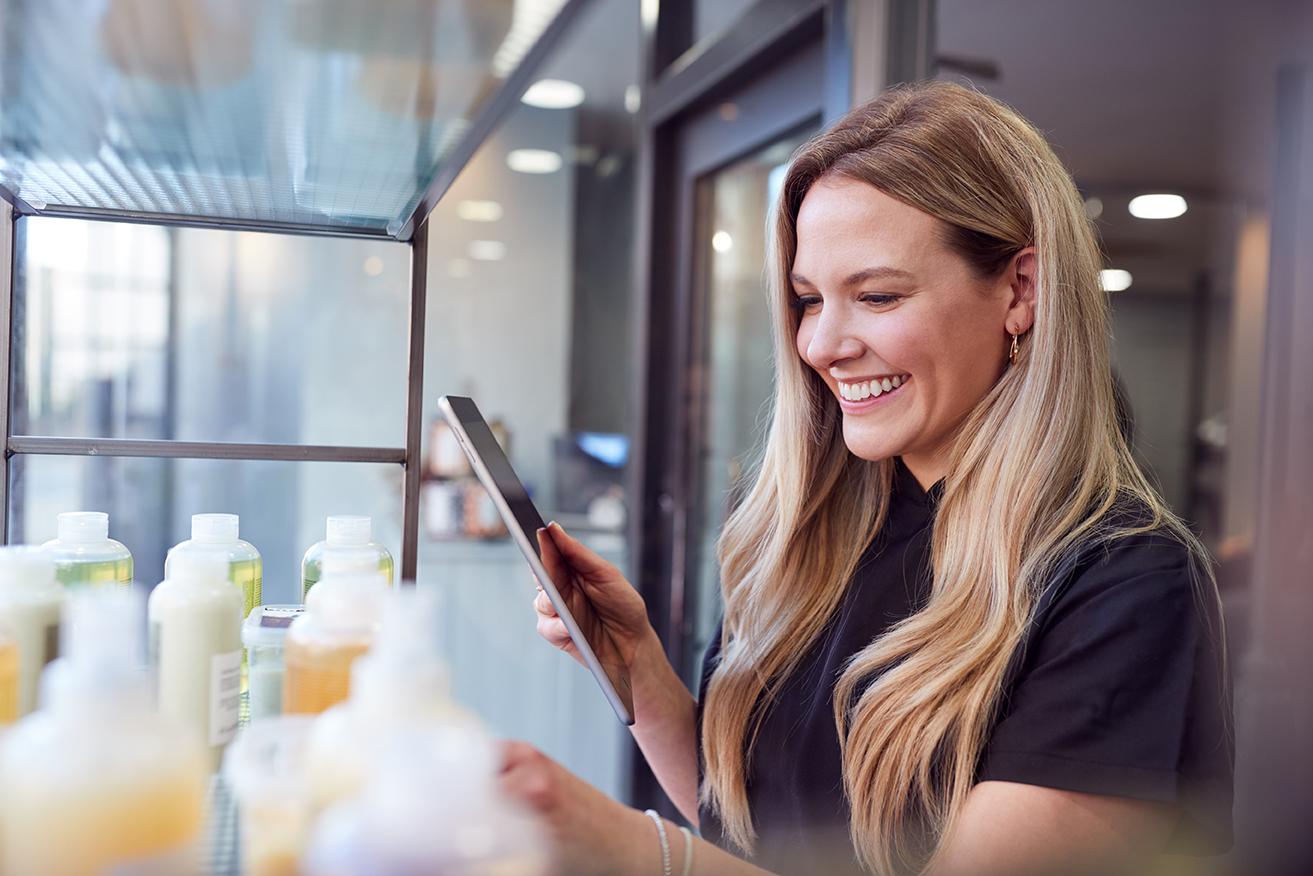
x: 832, y: 341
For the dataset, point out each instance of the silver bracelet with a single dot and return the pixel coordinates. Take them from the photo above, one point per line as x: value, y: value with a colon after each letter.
x: 665, y: 843
x: 688, y: 849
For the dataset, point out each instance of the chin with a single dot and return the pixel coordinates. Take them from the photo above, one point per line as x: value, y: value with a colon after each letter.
x: 871, y: 444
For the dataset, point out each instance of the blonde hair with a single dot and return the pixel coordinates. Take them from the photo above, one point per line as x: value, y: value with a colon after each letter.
x: 1036, y: 469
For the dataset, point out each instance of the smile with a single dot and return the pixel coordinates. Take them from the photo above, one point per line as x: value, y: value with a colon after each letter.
x: 864, y: 394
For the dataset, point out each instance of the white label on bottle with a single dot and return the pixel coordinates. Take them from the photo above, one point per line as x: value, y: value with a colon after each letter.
x: 225, y: 696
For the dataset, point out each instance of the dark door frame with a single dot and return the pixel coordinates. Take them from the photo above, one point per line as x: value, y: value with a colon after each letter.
x: 763, y: 66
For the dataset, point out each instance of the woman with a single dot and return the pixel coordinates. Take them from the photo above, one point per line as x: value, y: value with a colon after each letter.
x: 962, y: 633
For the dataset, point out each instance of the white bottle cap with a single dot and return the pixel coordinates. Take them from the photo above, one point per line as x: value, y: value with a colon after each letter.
x: 349, y: 530
x: 199, y: 565
x: 24, y: 565
x: 82, y: 527
x: 214, y: 528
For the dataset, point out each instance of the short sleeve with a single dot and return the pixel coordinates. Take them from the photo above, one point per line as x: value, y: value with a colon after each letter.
x: 1120, y: 689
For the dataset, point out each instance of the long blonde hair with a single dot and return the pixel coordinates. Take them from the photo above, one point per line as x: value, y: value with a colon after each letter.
x: 1035, y: 470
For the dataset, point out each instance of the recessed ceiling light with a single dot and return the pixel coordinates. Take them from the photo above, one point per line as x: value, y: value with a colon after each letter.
x: 553, y: 94
x: 1114, y: 280
x: 722, y: 242
x: 487, y: 250
x: 533, y: 161
x: 1157, y: 206
x: 479, y: 211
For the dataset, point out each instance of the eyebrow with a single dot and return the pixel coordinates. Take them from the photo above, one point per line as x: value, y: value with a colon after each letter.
x: 880, y: 272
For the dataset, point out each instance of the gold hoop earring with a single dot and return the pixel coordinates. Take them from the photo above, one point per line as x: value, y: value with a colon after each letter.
x: 1012, y: 353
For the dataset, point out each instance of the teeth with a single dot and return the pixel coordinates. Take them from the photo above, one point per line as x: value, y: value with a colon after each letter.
x: 869, y: 388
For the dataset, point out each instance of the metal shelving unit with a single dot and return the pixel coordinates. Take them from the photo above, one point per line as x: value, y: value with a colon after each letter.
x: 308, y: 117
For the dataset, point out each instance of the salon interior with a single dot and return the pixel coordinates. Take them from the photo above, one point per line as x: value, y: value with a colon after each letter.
x: 246, y: 248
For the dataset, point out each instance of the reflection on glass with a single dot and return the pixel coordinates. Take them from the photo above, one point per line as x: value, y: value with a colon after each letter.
x: 282, y: 505
x: 137, y: 331
x: 738, y: 376
x: 327, y: 113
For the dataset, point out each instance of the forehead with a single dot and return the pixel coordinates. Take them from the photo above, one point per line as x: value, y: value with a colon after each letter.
x: 843, y: 224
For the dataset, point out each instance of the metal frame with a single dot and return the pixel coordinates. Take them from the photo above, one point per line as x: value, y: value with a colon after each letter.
x: 413, y: 232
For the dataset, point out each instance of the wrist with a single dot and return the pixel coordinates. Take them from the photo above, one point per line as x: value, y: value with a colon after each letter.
x: 651, y: 675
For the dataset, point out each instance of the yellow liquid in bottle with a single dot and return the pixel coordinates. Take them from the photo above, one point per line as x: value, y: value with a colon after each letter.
x: 8, y: 682
x: 99, y: 830
x: 95, y: 574
x: 317, y: 677
x: 249, y: 576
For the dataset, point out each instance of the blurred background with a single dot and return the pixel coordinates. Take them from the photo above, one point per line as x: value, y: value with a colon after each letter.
x: 216, y: 246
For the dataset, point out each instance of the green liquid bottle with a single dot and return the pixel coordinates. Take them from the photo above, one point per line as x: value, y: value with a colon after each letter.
x: 85, y: 555
x: 210, y: 532
x: 350, y: 549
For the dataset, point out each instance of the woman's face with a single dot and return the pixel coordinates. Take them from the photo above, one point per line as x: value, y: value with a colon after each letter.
x: 883, y: 303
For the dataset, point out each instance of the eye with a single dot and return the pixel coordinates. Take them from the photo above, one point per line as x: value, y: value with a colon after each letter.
x: 878, y: 298
x: 806, y: 302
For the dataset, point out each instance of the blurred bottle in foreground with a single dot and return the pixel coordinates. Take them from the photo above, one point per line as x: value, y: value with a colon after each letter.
x: 95, y: 780
x: 30, y: 599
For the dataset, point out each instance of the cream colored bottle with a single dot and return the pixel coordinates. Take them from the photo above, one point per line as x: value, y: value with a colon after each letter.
x: 30, y: 600
x: 196, y: 647
x: 95, y: 781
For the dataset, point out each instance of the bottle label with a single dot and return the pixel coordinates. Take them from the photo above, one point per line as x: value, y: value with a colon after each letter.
x: 280, y: 617
x: 225, y: 696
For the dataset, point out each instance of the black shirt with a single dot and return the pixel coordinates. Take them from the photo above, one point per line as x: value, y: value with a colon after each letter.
x: 1117, y: 689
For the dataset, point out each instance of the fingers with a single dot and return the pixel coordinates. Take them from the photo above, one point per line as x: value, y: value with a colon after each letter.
x: 543, y: 604
x: 580, y: 558
x: 553, y: 630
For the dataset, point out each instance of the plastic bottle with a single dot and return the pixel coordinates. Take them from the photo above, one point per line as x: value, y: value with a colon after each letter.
x: 84, y: 553
x: 9, y: 676
x: 339, y: 624
x: 220, y: 531
x: 196, y: 647
x: 30, y: 600
x: 96, y: 781
x: 432, y: 805
x: 265, y: 767
x: 402, y: 681
x: 264, y: 633
x: 344, y: 531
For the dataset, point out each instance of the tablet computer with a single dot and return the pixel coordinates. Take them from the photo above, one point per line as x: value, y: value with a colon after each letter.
x: 523, y: 520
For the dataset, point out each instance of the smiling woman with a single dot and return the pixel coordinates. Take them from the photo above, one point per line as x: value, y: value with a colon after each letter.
x: 962, y: 633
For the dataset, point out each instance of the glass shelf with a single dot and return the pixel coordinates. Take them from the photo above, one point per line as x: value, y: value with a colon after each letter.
x: 295, y: 114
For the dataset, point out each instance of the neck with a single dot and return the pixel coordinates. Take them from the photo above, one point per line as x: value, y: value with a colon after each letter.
x: 928, y: 469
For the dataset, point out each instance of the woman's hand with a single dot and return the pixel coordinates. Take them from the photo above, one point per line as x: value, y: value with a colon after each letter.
x: 590, y: 832
x: 607, y: 608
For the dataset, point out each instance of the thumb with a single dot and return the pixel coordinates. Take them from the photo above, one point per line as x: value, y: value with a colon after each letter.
x: 580, y: 558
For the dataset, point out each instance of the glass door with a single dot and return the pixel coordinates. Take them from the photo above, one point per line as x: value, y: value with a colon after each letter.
x: 734, y: 378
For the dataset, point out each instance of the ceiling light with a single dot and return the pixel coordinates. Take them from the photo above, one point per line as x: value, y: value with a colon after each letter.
x: 722, y: 242
x: 1158, y: 206
x: 479, y: 211
x: 533, y: 161
x: 487, y: 250
x: 373, y: 266
x: 553, y: 94
x: 633, y: 99
x: 1114, y: 280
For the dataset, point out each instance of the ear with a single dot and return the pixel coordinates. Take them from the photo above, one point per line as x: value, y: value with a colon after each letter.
x: 1020, y: 277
